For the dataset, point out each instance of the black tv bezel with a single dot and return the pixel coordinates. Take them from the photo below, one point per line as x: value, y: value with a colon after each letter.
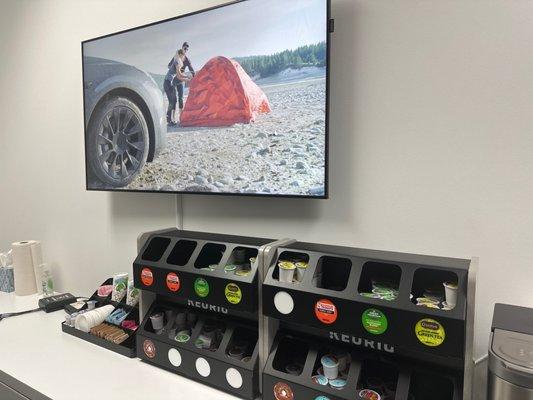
x: 262, y: 195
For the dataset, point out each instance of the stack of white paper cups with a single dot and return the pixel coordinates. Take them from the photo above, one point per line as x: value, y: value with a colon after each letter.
x: 86, y: 321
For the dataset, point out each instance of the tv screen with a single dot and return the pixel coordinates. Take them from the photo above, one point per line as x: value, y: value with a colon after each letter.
x: 228, y: 100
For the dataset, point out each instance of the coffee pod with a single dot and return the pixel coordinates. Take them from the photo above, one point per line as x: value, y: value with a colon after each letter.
x: 158, y: 321
x: 331, y: 366
x: 246, y: 359
x: 181, y: 319
x: 236, y: 353
x: 286, y: 271
x: 338, y: 383
x: 301, y: 268
x: 344, y: 360
x: 369, y: 394
x: 230, y: 268
x: 294, y: 369
x: 191, y: 319
x: 320, y: 380
x: 239, y: 255
x: 172, y: 333
x: 204, y: 342
x: 182, y: 338
x: 450, y: 290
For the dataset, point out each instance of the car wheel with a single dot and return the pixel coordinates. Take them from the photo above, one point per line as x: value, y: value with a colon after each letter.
x: 117, y: 141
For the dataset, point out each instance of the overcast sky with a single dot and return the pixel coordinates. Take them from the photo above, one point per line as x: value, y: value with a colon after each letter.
x: 254, y: 27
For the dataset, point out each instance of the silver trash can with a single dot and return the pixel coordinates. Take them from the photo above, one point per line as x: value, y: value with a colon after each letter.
x: 511, y: 354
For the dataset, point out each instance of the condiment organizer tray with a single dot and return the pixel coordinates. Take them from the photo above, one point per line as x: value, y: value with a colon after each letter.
x: 393, y: 380
x: 202, y: 270
x: 214, y: 367
x: 331, y: 298
x: 126, y: 348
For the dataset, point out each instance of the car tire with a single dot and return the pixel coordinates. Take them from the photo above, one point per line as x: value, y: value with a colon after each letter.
x: 117, y: 141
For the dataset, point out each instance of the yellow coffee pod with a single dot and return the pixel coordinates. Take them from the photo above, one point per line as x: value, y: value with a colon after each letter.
x: 286, y: 265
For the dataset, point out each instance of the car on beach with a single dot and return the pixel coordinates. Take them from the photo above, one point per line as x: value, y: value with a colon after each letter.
x: 125, y: 121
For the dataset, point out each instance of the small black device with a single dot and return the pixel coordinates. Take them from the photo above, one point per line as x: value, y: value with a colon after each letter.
x: 56, y: 302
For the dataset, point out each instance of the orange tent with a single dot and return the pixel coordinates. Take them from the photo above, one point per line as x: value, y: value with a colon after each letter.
x: 222, y: 94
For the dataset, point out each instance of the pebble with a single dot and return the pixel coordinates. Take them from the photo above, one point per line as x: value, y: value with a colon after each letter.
x: 202, y: 188
x: 302, y: 165
x: 227, y: 180
x: 263, y: 151
x: 201, y: 180
x: 317, y: 191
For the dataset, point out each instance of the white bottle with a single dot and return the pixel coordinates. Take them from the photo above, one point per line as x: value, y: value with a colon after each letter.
x: 47, y: 281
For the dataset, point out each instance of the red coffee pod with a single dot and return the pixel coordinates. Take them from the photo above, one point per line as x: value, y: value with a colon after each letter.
x: 282, y: 391
x: 326, y: 311
x: 173, y: 282
x: 368, y: 394
x: 147, y: 277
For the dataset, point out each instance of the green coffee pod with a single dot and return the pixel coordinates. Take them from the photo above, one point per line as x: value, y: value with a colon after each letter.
x: 230, y: 268
x: 183, y: 338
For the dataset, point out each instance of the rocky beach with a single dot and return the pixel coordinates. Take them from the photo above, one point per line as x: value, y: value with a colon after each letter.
x: 282, y: 152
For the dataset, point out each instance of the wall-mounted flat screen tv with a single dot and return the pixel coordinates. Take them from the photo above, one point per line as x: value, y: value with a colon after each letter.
x: 228, y: 100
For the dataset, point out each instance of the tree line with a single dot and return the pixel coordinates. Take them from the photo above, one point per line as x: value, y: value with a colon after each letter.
x: 263, y: 66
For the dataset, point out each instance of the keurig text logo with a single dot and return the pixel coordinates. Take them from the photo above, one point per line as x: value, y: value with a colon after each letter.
x: 147, y: 277
x: 208, y: 307
x: 233, y: 293
x: 326, y: 311
x: 430, y: 332
x: 173, y: 282
x: 357, y: 341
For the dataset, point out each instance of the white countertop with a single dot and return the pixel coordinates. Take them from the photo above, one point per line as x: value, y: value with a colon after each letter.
x: 34, y: 350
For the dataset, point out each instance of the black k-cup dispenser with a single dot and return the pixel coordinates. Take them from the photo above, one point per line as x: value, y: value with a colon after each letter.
x: 201, y: 317
x: 346, y: 323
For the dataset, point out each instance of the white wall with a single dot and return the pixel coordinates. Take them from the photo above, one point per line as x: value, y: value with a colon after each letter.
x: 86, y: 235
x: 431, y: 143
x: 431, y: 138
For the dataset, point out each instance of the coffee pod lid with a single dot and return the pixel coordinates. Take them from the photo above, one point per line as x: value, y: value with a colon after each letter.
x: 329, y: 361
x: 286, y: 265
x: 320, y: 380
x: 294, y: 369
x: 338, y: 383
x: 230, y: 267
x: 369, y: 394
x: 183, y: 338
x: 450, y: 285
x: 243, y: 272
x: 371, y: 295
x: 246, y: 359
x: 301, y: 264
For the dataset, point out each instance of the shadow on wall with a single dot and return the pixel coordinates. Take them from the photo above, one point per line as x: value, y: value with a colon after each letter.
x: 130, y: 208
x: 342, y: 140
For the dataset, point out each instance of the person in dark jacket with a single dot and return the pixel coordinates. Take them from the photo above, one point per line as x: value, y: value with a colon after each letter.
x: 178, y: 83
x: 175, y: 74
